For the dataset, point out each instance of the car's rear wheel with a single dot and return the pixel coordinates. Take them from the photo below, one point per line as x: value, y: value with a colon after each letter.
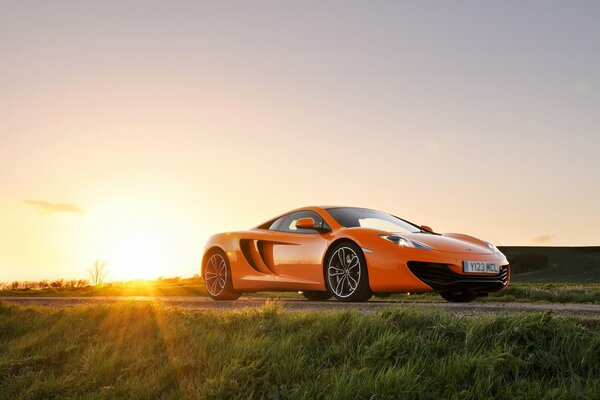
x: 459, y: 297
x: 317, y: 296
x: 346, y: 274
x: 217, y: 277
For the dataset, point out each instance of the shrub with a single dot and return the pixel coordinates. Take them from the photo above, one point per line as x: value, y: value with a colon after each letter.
x: 57, y: 284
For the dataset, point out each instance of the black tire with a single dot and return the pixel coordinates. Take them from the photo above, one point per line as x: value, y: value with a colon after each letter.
x: 217, y: 277
x: 344, y: 268
x: 317, y: 296
x: 459, y: 297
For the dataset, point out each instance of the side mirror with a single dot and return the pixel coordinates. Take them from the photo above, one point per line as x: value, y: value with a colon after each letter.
x: 426, y: 228
x: 305, y: 223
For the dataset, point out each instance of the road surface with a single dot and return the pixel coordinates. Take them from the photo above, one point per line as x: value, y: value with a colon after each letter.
x: 205, y: 303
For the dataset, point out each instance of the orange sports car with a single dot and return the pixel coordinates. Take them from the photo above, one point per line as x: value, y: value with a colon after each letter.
x: 350, y: 253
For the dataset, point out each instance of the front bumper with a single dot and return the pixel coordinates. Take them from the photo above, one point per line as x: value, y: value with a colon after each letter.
x: 441, y: 278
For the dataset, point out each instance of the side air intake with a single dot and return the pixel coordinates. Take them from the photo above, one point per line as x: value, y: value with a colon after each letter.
x: 253, y: 253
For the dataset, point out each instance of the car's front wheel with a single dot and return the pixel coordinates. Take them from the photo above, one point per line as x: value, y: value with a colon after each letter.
x: 459, y: 297
x: 217, y: 277
x: 346, y: 273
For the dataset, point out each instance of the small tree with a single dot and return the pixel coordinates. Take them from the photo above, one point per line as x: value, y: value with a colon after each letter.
x: 98, y: 273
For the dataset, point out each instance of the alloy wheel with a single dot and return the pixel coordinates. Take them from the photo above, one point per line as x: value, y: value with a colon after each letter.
x: 215, y: 275
x: 343, y: 272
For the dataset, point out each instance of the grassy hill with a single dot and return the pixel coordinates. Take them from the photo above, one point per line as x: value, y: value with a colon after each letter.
x: 564, y: 264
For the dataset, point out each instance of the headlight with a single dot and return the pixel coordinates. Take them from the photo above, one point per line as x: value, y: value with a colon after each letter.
x: 400, y: 241
x: 492, y: 247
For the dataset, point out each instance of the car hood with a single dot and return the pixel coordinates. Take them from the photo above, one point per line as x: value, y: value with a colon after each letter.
x: 451, y: 242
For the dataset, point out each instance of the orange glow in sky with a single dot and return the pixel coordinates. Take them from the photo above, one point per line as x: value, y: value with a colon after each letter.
x: 131, y: 131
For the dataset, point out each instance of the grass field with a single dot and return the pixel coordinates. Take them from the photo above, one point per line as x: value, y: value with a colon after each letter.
x: 144, y: 351
x: 549, y: 293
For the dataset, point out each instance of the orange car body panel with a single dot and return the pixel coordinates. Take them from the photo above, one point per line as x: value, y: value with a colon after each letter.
x: 261, y: 259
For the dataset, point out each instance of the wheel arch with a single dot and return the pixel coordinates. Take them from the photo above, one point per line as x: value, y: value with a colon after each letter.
x: 333, y: 244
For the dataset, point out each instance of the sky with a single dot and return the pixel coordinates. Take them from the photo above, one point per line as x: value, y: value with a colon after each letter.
x: 130, y: 131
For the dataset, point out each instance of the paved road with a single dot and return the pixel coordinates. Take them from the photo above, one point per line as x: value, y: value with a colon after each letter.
x: 204, y: 303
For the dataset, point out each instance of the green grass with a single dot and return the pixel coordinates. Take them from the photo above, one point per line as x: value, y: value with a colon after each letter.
x: 587, y: 293
x: 549, y: 293
x: 148, y: 351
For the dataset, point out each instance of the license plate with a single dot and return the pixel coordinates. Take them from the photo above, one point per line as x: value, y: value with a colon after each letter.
x: 480, y: 267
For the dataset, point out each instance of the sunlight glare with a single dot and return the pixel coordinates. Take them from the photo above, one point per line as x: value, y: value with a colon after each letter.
x: 143, y: 237
x: 138, y: 254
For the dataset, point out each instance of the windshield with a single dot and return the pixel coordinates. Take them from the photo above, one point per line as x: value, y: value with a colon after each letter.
x: 351, y: 217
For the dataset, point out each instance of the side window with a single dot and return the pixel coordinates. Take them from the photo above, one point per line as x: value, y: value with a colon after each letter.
x: 277, y: 225
x: 290, y: 224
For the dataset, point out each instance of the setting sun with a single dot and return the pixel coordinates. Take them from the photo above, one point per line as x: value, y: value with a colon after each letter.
x: 144, y: 236
x: 138, y: 254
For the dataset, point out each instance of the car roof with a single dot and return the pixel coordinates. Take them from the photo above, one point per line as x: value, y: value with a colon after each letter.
x: 360, y: 208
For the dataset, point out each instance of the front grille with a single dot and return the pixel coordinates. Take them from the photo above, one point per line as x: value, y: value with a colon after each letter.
x: 441, y: 277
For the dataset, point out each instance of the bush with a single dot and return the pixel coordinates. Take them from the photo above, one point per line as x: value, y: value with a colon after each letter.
x: 45, y: 284
x: 57, y: 283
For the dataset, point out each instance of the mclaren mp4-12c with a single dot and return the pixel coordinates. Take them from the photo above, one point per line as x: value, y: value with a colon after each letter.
x: 350, y: 253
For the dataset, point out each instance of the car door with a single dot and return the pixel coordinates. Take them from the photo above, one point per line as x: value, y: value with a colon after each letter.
x: 297, y: 255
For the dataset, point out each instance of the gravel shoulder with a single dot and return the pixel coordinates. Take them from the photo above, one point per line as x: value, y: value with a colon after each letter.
x: 204, y: 303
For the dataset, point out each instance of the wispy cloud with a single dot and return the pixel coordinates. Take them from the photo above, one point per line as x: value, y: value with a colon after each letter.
x: 47, y: 207
x: 542, y: 239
